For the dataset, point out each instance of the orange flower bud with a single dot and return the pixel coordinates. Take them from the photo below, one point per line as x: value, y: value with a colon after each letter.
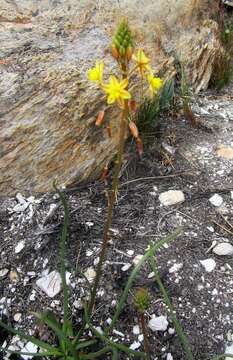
x: 129, y: 53
x: 115, y: 52
x: 139, y: 146
x: 99, y: 119
x: 132, y: 105
x: 133, y: 129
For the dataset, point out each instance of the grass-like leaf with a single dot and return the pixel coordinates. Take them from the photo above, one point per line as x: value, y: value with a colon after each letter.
x: 178, y: 327
x: 32, y: 339
x: 135, y: 271
x: 58, y: 331
x: 104, y: 338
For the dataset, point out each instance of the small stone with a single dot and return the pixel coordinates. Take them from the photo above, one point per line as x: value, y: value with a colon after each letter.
x: 171, y: 331
x: 90, y: 274
x: 158, y: 323
x: 50, y: 284
x: 175, y: 268
x: 3, y: 272
x: 19, y: 247
x: 216, y: 200
x: 89, y: 223
x: 210, y: 228
x: 140, y: 337
x: 225, y: 152
x: 151, y: 275
x: 223, y: 249
x: 17, y: 317
x: 136, y: 330
x: 89, y: 253
x: 171, y: 197
x: 169, y: 356
x: 119, y: 333
x: 130, y: 252
x: 136, y: 259
x: 29, y: 348
x: 20, y: 198
x: 135, y: 345
x: 13, y: 276
x: 78, y: 304
x: 126, y: 267
x: 209, y: 264
x: 231, y: 195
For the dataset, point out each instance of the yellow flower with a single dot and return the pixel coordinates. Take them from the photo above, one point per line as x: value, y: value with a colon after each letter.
x: 116, y: 90
x: 142, y: 61
x: 155, y: 83
x: 96, y: 73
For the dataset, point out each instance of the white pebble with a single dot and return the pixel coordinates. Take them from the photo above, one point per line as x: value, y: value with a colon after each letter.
x: 158, y: 323
x: 171, y: 197
x: 19, y: 247
x: 50, y: 283
x: 135, y: 345
x: 223, y: 249
x: 216, y: 200
x: 136, y: 330
x: 90, y: 274
x: 126, y: 267
x: 175, y: 268
x: 209, y: 264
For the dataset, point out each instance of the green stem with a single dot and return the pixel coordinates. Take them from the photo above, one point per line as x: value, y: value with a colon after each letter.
x: 111, y: 202
x: 167, y: 301
x: 62, y: 258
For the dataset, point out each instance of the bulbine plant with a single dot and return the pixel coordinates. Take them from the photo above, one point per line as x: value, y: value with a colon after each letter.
x: 117, y: 91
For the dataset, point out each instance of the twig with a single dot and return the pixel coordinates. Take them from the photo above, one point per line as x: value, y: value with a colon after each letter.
x: 162, y: 177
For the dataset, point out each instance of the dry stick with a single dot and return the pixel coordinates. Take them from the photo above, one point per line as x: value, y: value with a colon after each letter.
x: 112, y: 199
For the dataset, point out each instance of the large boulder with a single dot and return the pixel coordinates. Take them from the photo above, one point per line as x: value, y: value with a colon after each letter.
x: 47, y: 107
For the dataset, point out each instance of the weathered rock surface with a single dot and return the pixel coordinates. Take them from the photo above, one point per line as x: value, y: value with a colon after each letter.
x: 47, y: 108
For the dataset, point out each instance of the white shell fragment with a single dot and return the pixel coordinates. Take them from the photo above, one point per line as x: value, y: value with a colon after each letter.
x: 175, y: 268
x: 209, y: 264
x: 171, y: 197
x: 3, y: 272
x: 30, y: 348
x: 50, y: 284
x: 158, y: 323
x: 126, y: 267
x: 90, y: 274
x: 137, y: 258
x: 136, y: 330
x: 19, y: 247
x: 135, y: 345
x: 223, y: 249
x: 17, y: 317
x: 216, y: 200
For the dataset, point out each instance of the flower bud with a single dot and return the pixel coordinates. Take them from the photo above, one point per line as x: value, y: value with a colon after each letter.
x: 133, y: 129
x: 122, y: 42
x: 115, y: 52
x: 100, y: 118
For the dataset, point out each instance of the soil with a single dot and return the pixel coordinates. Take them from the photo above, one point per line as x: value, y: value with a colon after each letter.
x: 203, y: 300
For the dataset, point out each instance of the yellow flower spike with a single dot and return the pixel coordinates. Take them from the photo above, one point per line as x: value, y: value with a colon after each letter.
x: 142, y: 61
x: 96, y: 73
x: 155, y: 83
x: 116, y: 90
